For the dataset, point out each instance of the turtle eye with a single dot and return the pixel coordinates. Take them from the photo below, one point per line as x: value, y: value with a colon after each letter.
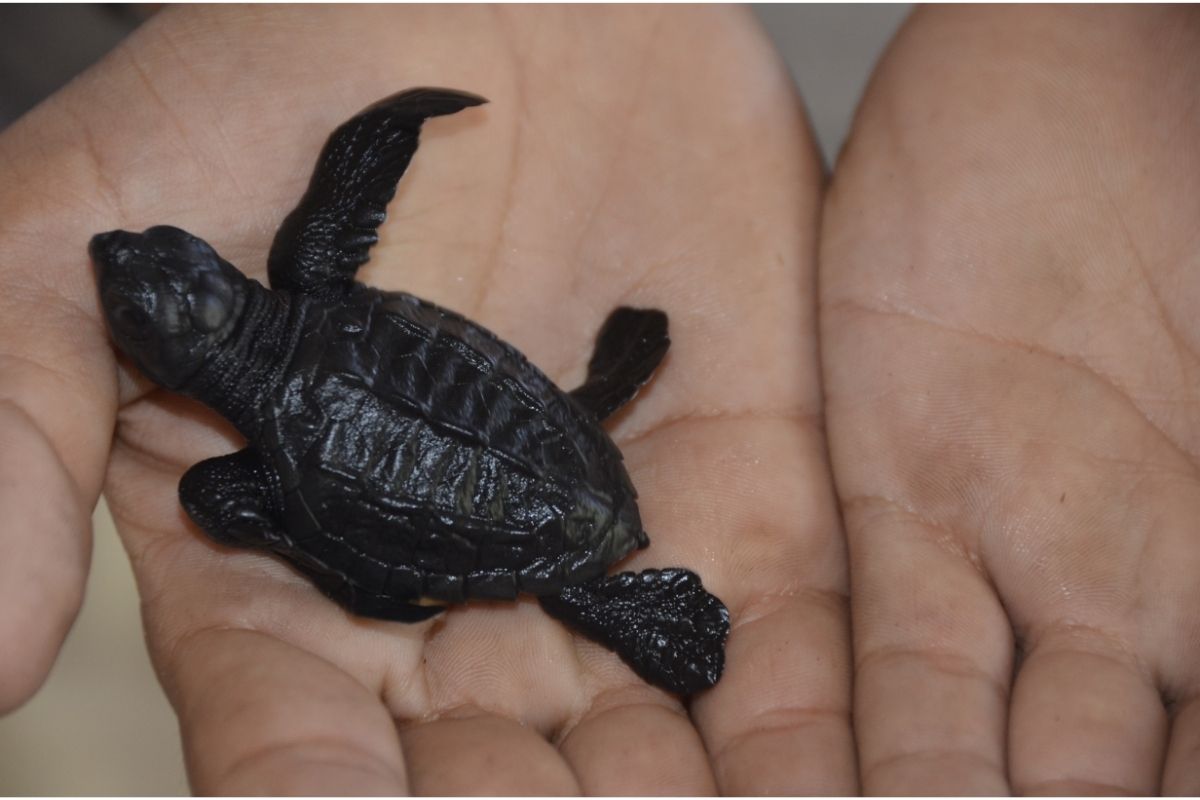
x: 210, y: 303
x: 209, y: 312
x: 131, y: 320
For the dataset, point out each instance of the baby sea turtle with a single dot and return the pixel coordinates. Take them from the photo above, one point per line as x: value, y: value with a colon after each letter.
x: 399, y: 455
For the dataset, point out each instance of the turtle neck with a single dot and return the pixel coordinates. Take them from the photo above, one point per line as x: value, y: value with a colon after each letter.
x: 240, y: 372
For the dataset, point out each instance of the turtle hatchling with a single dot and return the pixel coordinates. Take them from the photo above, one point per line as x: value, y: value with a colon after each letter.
x: 400, y: 456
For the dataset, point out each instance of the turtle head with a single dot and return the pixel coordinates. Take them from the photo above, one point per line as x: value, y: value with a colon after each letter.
x: 168, y: 298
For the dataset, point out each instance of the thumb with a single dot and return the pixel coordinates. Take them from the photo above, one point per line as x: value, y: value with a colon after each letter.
x: 57, y: 395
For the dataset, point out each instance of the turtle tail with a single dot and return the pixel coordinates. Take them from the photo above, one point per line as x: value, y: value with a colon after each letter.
x: 662, y: 622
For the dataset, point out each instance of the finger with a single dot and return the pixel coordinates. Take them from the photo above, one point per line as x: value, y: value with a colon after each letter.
x: 57, y: 396
x: 1085, y: 719
x: 1181, y: 773
x: 262, y: 717
x: 634, y: 740
x: 932, y: 652
x: 46, y: 547
x: 469, y: 752
x: 778, y: 720
x: 744, y: 457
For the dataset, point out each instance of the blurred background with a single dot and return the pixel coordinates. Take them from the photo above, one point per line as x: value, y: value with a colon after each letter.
x: 101, y: 725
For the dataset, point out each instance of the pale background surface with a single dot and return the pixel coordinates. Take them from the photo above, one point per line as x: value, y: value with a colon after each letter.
x: 101, y: 724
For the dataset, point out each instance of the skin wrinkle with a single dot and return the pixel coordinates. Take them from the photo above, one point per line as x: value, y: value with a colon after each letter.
x: 140, y: 388
x: 1079, y: 364
x: 803, y: 419
x: 150, y: 592
x: 436, y: 709
x: 460, y: 711
x: 14, y: 363
x: 1024, y: 629
x: 1177, y: 701
x: 369, y: 762
x: 1139, y: 468
x: 575, y: 253
x: 793, y: 718
x: 84, y: 491
x: 764, y: 605
x: 168, y: 658
x: 651, y: 268
x: 949, y: 542
x: 110, y: 204
x: 395, y: 679
x: 933, y: 754
x: 35, y: 299
x: 168, y: 654
x: 596, y: 710
x: 470, y: 709
x: 1076, y: 787
x: 161, y: 550
x: 224, y: 145
x: 487, y: 786
x: 1116, y: 648
x: 938, y: 659
x: 304, y: 752
x: 492, y: 265
x: 82, y: 495
x: 1184, y: 355
x: 152, y: 458
x: 642, y: 697
x: 131, y: 57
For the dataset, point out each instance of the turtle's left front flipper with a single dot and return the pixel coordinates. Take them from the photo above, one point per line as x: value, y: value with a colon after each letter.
x: 662, y: 622
x: 327, y: 237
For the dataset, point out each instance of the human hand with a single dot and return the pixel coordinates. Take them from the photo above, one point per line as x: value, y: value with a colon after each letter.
x: 1009, y: 291
x: 628, y: 155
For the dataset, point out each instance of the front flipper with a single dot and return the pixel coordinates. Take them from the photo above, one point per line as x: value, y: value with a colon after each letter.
x: 662, y: 622
x: 327, y: 237
x: 233, y: 500
x: 629, y: 348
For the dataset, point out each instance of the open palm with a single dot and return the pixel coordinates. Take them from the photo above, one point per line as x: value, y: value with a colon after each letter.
x: 1009, y: 293
x: 625, y: 159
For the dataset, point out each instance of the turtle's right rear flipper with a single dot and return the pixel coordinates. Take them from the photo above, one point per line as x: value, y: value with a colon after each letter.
x: 662, y: 622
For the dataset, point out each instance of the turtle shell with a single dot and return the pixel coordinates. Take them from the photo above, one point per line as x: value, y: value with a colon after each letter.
x: 420, y: 456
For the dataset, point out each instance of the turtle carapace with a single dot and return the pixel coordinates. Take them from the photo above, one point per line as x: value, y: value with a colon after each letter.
x: 398, y: 455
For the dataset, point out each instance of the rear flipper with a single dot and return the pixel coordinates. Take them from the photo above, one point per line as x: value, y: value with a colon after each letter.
x: 341, y: 590
x: 661, y: 622
x: 629, y: 348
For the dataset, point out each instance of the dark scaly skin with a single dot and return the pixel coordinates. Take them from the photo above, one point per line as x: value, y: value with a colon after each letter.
x: 417, y: 455
x: 398, y: 454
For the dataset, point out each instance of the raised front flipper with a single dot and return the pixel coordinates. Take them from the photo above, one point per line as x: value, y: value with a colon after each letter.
x: 629, y: 348
x: 232, y: 498
x: 327, y: 237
